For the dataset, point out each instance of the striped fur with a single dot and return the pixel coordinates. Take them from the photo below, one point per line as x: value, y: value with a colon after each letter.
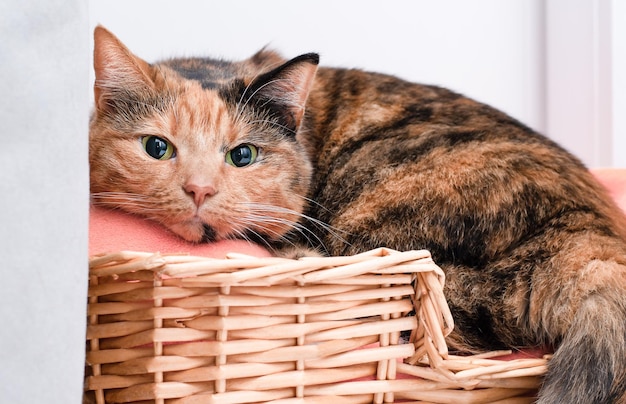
x: 533, y: 248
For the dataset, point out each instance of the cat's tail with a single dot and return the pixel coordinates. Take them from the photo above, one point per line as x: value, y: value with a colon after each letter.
x: 589, y: 365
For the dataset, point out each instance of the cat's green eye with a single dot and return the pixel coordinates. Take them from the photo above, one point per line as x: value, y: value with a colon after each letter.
x: 242, y: 155
x: 157, y: 147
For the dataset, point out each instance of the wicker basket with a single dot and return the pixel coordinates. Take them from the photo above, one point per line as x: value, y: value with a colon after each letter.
x: 181, y: 329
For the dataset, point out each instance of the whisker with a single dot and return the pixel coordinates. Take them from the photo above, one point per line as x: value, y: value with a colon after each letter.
x: 278, y: 209
x: 258, y: 213
x: 248, y: 223
x: 243, y: 235
x: 127, y: 201
x: 261, y: 221
x: 314, y: 202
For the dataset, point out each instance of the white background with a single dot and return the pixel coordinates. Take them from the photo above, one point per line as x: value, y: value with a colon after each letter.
x: 44, y: 69
x: 558, y: 65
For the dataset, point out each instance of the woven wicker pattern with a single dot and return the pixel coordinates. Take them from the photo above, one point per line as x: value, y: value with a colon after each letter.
x: 180, y: 329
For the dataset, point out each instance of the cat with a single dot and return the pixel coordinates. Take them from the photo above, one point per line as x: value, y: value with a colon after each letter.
x: 340, y: 161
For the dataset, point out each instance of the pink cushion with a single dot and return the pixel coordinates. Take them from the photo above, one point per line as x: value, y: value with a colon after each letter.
x: 113, y: 231
x: 614, y: 179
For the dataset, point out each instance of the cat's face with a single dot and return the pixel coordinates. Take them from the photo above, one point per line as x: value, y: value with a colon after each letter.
x: 210, y: 162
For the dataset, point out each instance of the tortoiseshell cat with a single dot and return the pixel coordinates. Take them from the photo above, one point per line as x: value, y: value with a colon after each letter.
x: 344, y: 161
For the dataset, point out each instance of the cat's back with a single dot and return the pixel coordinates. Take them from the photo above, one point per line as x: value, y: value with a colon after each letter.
x: 387, y: 151
x: 375, y: 106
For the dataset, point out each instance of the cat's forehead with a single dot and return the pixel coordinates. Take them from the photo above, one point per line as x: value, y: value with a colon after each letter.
x: 201, y: 112
x: 211, y: 73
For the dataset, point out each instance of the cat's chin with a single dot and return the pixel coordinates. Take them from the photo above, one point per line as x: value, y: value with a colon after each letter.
x: 194, y: 231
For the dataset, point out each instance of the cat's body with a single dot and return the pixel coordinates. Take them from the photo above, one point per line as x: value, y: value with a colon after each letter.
x: 533, y: 248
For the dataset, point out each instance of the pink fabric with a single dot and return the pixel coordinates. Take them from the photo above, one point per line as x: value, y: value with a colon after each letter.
x: 614, y: 179
x: 112, y: 231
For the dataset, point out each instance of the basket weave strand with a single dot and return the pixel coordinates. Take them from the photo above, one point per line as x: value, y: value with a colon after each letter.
x: 181, y: 329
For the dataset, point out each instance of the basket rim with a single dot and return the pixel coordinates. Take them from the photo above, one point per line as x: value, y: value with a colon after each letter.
x: 306, y: 278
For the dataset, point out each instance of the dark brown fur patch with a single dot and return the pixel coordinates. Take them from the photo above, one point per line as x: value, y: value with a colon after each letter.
x: 526, y: 236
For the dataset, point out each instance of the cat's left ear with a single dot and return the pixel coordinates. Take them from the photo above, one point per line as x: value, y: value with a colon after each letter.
x: 284, y: 90
x: 117, y: 69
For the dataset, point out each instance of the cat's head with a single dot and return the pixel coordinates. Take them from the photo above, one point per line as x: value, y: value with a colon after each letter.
x: 210, y: 156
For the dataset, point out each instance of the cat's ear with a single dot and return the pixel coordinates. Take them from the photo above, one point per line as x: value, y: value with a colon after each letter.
x: 117, y: 70
x: 284, y: 90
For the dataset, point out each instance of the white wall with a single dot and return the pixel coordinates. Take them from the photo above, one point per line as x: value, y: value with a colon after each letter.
x: 44, y: 70
x: 618, y: 74
x: 579, y: 81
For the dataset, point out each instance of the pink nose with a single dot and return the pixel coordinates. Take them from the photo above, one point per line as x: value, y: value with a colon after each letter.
x: 199, y: 192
